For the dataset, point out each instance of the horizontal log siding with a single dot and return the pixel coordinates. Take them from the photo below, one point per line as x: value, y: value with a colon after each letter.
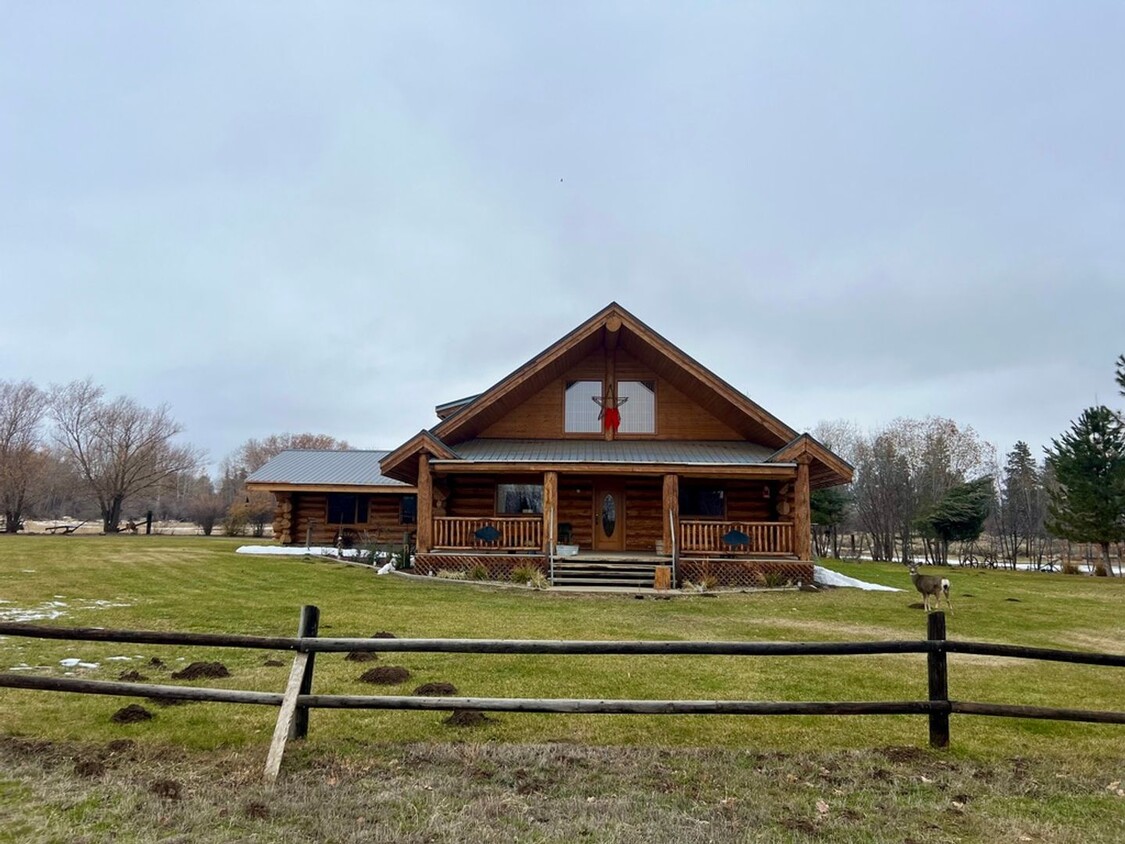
x: 746, y: 503
x: 644, y: 499
x: 383, y: 523
x: 678, y: 415
x: 471, y: 496
x: 576, y: 503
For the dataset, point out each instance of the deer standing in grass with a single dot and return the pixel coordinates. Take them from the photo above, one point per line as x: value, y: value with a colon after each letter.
x: 929, y: 585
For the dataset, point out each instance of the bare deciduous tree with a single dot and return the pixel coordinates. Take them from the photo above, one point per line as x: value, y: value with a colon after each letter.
x: 118, y: 447
x: 253, y: 454
x: 22, y: 406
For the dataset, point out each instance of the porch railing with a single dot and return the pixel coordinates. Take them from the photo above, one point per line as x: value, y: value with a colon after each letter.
x: 458, y: 533
x: 698, y: 536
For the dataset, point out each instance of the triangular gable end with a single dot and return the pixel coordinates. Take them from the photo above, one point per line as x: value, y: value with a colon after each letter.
x: 614, y: 325
x: 825, y: 467
x: 399, y: 465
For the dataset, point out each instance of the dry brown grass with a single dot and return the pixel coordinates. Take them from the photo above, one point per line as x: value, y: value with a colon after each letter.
x: 549, y: 793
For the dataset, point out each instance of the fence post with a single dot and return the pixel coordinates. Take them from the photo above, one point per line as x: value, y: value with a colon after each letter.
x: 309, y: 627
x: 938, y: 671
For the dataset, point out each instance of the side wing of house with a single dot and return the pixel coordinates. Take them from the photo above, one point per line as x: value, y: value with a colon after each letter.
x: 327, y: 496
x: 615, y: 441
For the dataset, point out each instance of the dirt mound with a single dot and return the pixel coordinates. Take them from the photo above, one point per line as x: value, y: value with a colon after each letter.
x: 168, y: 789
x: 92, y: 768
x: 121, y: 745
x: 389, y: 675
x: 156, y: 662
x: 436, y: 689
x: 201, y: 669
x: 257, y: 810
x: 273, y: 663
x: 132, y: 677
x: 361, y: 656
x: 131, y: 714
x: 383, y: 634
x: 467, y: 718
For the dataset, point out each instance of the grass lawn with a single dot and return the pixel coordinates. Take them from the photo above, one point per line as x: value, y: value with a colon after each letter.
x: 199, y: 584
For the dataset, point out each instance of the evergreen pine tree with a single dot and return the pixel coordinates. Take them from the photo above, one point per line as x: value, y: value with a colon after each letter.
x: 1088, y: 501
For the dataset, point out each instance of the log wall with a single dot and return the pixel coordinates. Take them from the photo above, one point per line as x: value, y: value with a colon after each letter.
x: 384, y: 514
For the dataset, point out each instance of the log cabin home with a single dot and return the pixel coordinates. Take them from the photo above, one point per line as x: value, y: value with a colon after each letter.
x: 612, y: 457
x: 325, y: 496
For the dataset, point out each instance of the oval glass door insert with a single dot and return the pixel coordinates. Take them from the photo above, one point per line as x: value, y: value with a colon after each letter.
x: 609, y: 515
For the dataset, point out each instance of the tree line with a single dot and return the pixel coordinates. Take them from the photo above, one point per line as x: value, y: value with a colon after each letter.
x: 922, y: 484
x: 72, y: 450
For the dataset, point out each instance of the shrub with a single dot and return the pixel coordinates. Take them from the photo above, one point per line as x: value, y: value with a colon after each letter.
x: 234, y: 524
x: 1071, y: 567
x: 478, y: 572
x: 775, y: 580
x: 522, y: 574
x: 538, y: 580
x: 450, y: 574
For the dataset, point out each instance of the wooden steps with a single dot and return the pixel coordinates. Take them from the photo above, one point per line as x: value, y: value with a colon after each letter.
x: 622, y: 574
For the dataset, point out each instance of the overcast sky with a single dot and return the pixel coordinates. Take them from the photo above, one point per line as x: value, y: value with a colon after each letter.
x: 330, y: 217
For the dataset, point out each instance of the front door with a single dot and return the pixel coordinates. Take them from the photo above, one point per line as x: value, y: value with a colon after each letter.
x: 609, y: 516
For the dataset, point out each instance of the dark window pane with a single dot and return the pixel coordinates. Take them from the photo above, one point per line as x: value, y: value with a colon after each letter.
x: 342, y: 508
x: 702, y: 501
x: 409, y: 509
x: 519, y: 498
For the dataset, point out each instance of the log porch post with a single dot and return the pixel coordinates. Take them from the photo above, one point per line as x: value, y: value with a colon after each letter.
x: 425, y: 505
x: 802, y: 517
x: 670, y: 513
x: 550, y: 511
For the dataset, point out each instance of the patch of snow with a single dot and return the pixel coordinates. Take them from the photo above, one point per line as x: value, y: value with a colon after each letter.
x: 827, y: 577
x: 23, y: 666
x: 74, y: 662
x: 119, y: 659
x: 299, y: 551
x: 386, y: 568
x: 44, y: 612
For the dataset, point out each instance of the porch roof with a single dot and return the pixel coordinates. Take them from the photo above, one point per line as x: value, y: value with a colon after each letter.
x: 709, y: 453
x: 324, y: 468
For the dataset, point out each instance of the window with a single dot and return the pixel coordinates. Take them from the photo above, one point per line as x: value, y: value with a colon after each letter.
x: 519, y: 498
x: 346, y: 508
x: 408, y: 512
x: 702, y: 501
x: 638, y: 414
x: 581, y: 409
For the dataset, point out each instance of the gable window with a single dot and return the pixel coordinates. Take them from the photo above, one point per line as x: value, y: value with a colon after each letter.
x: 513, y: 499
x: 408, y: 510
x: 346, y: 508
x: 703, y: 501
x: 581, y: 409
x: 638, y: 414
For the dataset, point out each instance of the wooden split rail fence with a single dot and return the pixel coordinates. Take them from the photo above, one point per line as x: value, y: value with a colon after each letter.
x: 298, y: 699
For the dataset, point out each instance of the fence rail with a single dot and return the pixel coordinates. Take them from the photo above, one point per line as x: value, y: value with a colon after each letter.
x: 297, y: 700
